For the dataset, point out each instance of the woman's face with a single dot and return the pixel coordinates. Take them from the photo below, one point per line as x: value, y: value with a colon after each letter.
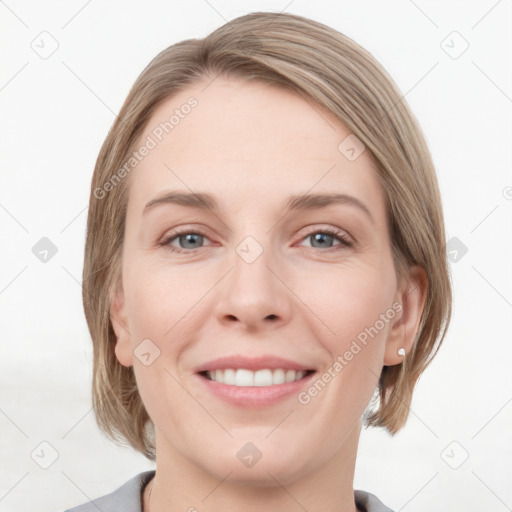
x: 258, y: 273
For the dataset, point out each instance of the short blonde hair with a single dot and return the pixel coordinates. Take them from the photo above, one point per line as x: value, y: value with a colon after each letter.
x: 321, y: 64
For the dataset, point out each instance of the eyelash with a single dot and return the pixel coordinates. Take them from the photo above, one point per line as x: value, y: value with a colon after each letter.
x: 345, y: 242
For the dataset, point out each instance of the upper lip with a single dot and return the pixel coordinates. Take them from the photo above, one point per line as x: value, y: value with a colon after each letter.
x: 251, y: 363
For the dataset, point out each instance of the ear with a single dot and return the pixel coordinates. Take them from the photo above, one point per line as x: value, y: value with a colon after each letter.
x: 409, y: 303
x: 123, y: 349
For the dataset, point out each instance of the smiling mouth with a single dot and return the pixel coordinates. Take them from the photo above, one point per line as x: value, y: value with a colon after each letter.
x: 242, y: 377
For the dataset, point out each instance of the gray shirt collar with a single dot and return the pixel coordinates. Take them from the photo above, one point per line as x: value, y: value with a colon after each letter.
x: 128, y: 498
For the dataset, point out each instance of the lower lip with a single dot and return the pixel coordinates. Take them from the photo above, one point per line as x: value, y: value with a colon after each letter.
x: 254, y: 396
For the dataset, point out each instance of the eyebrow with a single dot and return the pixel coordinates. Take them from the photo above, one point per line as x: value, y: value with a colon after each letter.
x: 295, y: 202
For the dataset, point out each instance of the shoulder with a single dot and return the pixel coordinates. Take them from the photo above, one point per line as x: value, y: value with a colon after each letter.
x: 126, y: 498
x: 367, y: 502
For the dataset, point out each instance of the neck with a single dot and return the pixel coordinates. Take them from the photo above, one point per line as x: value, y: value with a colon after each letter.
x: 180, y: 484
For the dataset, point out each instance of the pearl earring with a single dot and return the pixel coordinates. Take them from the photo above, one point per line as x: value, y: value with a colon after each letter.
x: 401, y: 351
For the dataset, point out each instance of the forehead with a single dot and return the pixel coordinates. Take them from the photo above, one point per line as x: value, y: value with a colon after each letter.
x: 250, y: 141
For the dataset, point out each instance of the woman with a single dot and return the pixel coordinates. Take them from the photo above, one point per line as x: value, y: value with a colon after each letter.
x: 264, y: 254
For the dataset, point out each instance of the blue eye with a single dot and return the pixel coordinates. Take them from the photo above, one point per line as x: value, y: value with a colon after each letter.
x: 186, y: 239
x: 190, y: 240
x: 326, y: 237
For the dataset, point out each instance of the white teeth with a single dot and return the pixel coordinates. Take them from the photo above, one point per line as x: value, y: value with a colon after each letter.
x: 229, y: 377
x: 242, y: 377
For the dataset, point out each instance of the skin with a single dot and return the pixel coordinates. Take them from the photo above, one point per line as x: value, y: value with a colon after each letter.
x: 252, y: 145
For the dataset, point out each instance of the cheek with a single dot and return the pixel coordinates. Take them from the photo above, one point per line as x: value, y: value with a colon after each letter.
x: 353, y: 316
x: 160, y: 308
x: 160, y: 301
x: 348, y: 300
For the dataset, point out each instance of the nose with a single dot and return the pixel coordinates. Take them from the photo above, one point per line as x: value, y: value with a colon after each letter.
x: 254, y: 295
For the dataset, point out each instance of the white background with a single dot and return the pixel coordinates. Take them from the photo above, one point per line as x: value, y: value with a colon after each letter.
x: 55, y: 114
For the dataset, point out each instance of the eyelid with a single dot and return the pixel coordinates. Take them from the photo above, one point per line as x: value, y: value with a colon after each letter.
x: 324, y: 228
x: 181, y: 231
x: 345, y: 240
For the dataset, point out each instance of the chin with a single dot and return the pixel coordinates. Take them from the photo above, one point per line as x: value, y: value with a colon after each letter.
x: 270, y: 470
